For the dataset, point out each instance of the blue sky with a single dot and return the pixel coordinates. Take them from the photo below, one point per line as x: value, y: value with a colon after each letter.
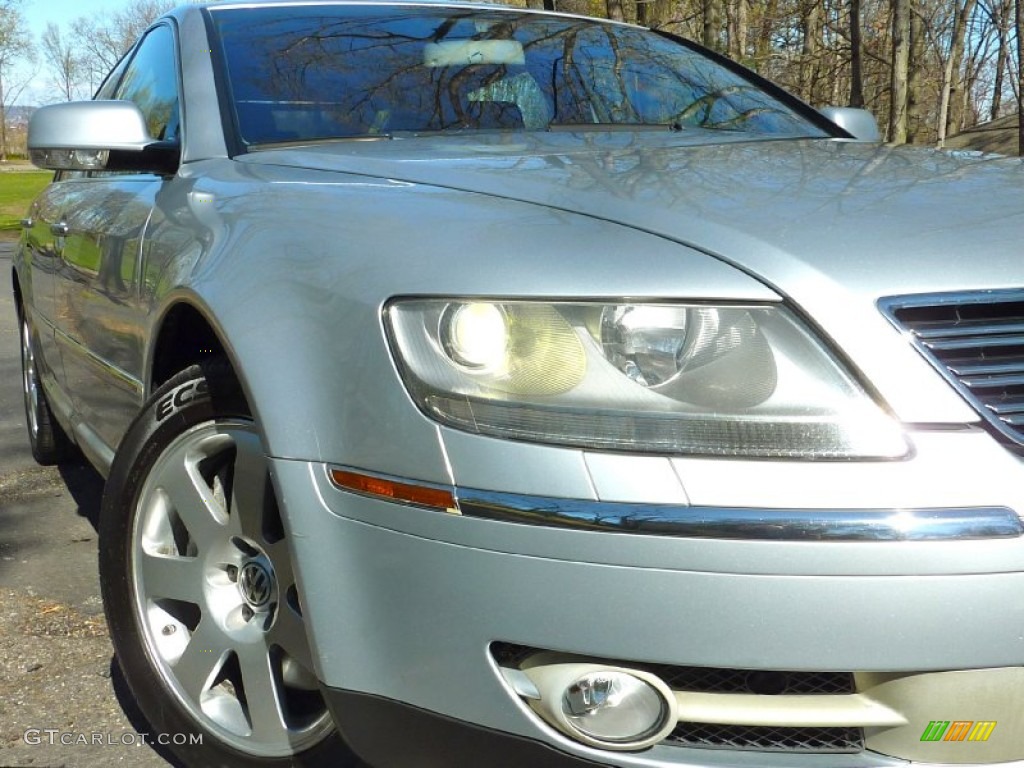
x: 63, y: 13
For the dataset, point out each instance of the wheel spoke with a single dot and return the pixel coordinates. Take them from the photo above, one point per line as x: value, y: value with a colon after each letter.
x: 178, y: 578
x: 202, y: 658
x: 209, y: 553
x: 289, y: 632
x: 281, y: 557
x: 261, y: 694
x: 249, y: 485
x: 191, y: 499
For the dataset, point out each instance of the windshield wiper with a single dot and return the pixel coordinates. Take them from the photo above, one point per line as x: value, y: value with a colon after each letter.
x: 297, y: 142
x: 615, y: 127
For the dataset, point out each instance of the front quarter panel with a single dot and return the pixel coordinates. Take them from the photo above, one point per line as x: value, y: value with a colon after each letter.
x: 295, y: 267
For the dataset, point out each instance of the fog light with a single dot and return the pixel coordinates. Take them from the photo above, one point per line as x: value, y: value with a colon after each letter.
x: 615, y: 707
x: 598, y: 704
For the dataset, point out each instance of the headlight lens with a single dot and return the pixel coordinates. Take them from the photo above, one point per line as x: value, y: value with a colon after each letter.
x: 659, y: 378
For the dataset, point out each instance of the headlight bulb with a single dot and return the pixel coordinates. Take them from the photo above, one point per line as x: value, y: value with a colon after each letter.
x: 647, y: 343
x: 475, y: 335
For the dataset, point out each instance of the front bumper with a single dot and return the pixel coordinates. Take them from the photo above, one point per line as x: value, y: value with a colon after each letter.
x: 404, y: 605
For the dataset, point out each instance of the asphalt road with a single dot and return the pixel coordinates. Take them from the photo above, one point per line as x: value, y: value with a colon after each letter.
x: 63, y: 701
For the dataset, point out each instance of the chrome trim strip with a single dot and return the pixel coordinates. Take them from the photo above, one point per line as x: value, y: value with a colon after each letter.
x: 927, y: 524
x: 744, y: 523
x: 115, y: 374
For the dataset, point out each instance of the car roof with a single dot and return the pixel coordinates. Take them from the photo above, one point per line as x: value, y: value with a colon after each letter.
x: 219, y: 4
x: 449, y: 3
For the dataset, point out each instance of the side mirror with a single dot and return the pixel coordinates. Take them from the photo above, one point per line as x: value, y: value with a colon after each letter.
x: 97, y: 136
x: 859, y: 123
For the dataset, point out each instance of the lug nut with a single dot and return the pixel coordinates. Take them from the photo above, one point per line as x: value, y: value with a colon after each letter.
x: 169, y: 629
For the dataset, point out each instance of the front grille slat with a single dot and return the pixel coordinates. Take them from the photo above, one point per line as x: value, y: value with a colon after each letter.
x: 972, y: 342
x: 942, y: 330
x: 985, y: 368
x: 987, y: 382
x: 976, y: 341
x: 1006, y: 407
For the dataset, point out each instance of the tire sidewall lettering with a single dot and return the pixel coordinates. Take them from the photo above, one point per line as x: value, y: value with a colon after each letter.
x: 180, y: 398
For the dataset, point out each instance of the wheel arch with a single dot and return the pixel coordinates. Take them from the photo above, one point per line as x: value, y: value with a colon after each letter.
x: 184, y: 336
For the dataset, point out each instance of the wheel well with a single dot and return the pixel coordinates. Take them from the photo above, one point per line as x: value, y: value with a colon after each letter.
x: 185, y: 338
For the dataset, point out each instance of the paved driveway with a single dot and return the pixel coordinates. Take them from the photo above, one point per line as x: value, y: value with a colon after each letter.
x: 62, y: 700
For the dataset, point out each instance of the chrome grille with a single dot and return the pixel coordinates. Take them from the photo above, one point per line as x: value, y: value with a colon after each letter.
x: 764, y: 738
x: 975, y: 340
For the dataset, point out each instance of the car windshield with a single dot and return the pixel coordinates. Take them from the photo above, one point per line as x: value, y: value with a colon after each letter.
x: 307, y: 72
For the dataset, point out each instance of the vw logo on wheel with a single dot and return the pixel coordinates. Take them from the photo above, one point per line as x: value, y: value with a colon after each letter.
x: 256, y: 584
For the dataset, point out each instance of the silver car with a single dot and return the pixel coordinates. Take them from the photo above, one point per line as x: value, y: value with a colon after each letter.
x: 487, y: 387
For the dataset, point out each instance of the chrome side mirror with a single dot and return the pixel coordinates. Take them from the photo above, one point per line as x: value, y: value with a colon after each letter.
x: 96, y: 136
x: 859, y: 123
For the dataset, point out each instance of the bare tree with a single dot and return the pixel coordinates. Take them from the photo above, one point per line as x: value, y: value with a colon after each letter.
x: 615, y: 10
x: 954, y: 60
x: 65, y: 64
x: 900, y: 71
x: 102, y: 40
x: 999, y: 14
x: 15, y: 45
x: 736, y: 14
x: 1019, y: 24
x: 712, y: 26
x: 812, y: 31
x: 856, y: 57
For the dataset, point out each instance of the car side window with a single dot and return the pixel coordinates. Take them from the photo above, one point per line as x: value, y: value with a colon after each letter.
x: 106, y: 89
x: 151, y: 81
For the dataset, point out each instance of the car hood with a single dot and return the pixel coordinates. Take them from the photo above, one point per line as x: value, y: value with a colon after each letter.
x: 832, y: 225
x: 798, y: 214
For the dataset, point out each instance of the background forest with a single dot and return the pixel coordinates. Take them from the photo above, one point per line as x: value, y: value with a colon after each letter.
x: 927, y: 69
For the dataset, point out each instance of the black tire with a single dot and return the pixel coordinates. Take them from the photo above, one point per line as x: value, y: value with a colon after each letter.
x: 198, y: 586
x: 49, y: 442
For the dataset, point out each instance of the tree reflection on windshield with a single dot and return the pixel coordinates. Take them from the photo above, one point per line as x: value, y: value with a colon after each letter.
x: 306, y: 72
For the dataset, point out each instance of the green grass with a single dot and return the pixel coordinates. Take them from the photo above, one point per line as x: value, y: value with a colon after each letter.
x: 17, y: 189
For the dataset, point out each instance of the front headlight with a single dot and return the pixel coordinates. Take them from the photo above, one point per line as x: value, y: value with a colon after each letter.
x: 663, y: 378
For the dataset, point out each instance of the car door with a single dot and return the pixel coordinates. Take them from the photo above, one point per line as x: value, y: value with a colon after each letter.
x: 104, y: 218
x: 43, y: 241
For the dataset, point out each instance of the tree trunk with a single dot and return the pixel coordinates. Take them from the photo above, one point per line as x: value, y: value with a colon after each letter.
x: 737, y: 29
x: 856, y: 57
x: 900, y: 71
x: 3, y: 120
x: 712, y: 30
x: 1020, y: 75
x: 764, y: 36
x: 1004, y: 10
x: 917, y: 77
x: 951, y: 74
x: 810, y: 59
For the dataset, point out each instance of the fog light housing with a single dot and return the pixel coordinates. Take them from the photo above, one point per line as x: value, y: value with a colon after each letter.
x: 614, y: 707
x: 600, y: 705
